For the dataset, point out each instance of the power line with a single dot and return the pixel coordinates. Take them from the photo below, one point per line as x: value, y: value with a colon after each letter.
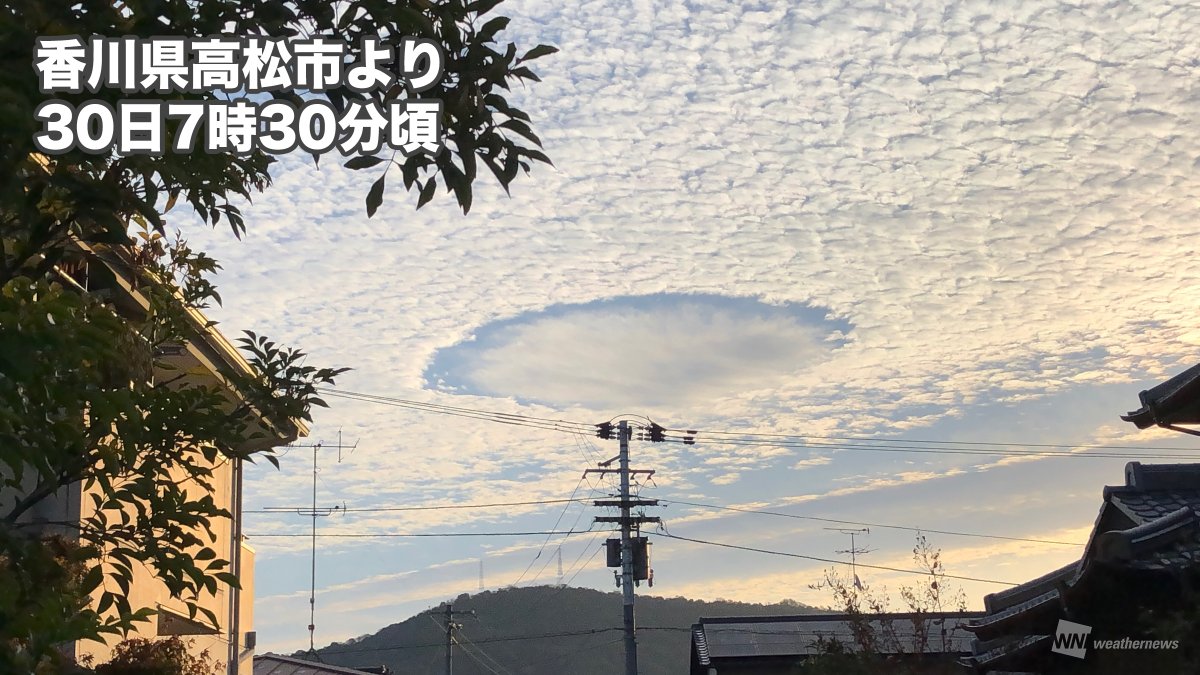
x: 923, y: 441
x: 831, y: 443
x: 576, y: 652
x: 569, y: 426
x: 481, y: 641
x: 476, y: 659
x: 578, y: 517
x: 797, y: 631
x: 366, y: 535
x: 437, y: 507
x: 836, y: 521
x: 827, y: 560
x: 866, y: 524
x: 552, y: 527
x: 489, y: 657
x: 595, y: 553
x: 977, y: 451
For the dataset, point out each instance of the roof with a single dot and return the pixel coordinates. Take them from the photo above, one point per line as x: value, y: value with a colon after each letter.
x: 272, y: 664
x: 771, y: 636
x: 1176, y: 401
x: 1150, y: 523
x: 209, y: 348
x: 1162, y: 502
x: 1159, y: 502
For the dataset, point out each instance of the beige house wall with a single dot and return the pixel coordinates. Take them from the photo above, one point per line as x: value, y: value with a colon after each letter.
x: 147, y: 590
x: 205, y: 357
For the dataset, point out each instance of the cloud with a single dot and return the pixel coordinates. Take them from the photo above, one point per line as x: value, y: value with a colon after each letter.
x: 639, y: 351
x: 998, y: 201
x: 819, y: 460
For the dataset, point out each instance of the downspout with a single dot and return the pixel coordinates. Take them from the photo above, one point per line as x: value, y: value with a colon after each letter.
x: 235, y: 561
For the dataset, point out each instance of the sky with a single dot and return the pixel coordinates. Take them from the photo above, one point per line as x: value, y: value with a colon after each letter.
x: 962, y: 221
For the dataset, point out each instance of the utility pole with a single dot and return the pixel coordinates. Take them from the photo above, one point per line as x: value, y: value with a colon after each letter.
x: 451, y: 626
x: 630, y: 548
x: 627, y: 557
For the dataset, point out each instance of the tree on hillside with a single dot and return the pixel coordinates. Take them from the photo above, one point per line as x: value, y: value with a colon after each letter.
x: 85, y: 394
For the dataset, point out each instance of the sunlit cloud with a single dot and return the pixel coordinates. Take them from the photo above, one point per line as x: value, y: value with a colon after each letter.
x: 993, y: 206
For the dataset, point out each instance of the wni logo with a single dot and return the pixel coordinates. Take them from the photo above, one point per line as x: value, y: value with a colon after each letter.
x: 1071, y: 639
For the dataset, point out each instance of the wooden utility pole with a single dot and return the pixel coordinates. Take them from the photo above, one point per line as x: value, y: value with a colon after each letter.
x: 451, y: 626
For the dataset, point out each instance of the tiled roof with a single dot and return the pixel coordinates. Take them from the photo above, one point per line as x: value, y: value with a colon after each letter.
x: 1176, y: 401
x: 997, y: 619
x: 1157, y: 519
x: 1001, y: 600
x: 700, y: 645
x: 1010, y: 649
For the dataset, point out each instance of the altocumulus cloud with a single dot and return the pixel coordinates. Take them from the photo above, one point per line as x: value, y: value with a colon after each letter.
x: 1000, y: 198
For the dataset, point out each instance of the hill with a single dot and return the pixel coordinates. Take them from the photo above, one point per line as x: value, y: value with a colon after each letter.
x: 543, y: 630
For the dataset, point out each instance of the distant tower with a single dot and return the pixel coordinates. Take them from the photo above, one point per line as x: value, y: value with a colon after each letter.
x: 481, y: 572
x: 560, y: 574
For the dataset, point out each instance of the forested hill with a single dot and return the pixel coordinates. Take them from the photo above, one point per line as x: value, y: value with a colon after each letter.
x: 543, y: 630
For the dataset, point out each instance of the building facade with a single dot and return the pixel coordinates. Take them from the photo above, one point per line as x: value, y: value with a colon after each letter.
x: 206, y: 357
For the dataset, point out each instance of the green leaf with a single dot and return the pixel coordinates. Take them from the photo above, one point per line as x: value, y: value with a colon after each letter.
x: 538, y: 52
x: 492, y: 27
x: 228, y: 578
x: 463, y: 193
x: 363, y: 162
x: 375, y: 196
x: 481, y: 7
x: 427, y: 192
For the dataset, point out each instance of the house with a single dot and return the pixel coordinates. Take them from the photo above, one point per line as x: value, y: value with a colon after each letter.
x: 203, y: 357
x: 770, y: 645
x: 1140, y: 561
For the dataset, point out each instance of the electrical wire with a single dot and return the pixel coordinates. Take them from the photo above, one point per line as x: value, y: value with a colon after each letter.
x: 437, y: 507
x: 827, y: 560
x: 590, y: 544
x: 511, y: 638
x: 828, y: 442
x: 569, y: 426
x: 977, y: 451
x: 866, y: 524
x: 489, y: 657
x: 553, y: 527
x: 369, y: 535
x: 558, y: 551
x: 575, y: 652
x: 474, y: 658
x: 921, y: 441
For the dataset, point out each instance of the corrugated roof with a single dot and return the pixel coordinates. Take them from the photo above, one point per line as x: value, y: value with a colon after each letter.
x: 795, y: 636
x: 271, y: 664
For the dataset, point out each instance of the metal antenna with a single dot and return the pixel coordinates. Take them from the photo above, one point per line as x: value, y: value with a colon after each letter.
x: 854, y: 551
x: 313, y: 512
x: 340, y: 446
